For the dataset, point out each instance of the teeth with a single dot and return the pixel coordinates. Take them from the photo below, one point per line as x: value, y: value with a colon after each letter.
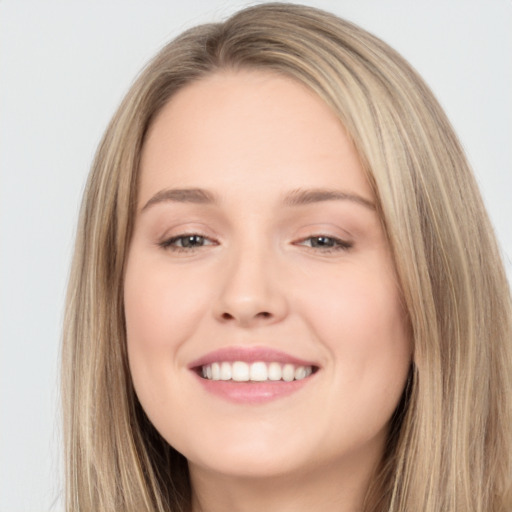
x: 240, y: 371
x: 301, y: 372
x: 288, y: 372
x: 225, y: 371
x: 215, y: 371
x: 274, y: 371
x: 258, y: 372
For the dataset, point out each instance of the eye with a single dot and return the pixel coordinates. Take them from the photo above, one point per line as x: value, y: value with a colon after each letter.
x: 325, y: 243
x: 186, y: 242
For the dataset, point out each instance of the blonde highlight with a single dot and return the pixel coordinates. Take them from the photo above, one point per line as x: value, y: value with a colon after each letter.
x: 458, y: 398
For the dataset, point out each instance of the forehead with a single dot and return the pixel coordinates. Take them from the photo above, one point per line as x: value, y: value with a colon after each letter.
x: 258, y: 128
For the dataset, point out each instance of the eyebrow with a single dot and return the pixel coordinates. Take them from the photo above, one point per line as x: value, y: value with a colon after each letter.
x: 301, y: 197
x: 297, y: 197
x: 181, y: 195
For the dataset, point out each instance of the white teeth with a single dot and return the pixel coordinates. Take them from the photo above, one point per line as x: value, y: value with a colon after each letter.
x: 274, y: 371
x: 225, y: 371
x: 240, y: 371
x: 300, y: 372
x: 288, y: 372
x: 215, y: 371
x: 258, y: 371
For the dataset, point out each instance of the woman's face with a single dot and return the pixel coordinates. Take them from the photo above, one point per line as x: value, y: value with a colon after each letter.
x: 258, y: 260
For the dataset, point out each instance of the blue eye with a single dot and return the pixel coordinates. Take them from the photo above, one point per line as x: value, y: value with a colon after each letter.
x: 326, y: 243
x: 186, y: 242
x: 189, y: 241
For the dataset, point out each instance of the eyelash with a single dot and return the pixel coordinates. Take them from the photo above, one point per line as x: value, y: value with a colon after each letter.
x: 336, y: 244
x: 169, y: 244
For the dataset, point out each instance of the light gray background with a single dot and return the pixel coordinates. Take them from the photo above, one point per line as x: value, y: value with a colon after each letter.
x: 64, y: 66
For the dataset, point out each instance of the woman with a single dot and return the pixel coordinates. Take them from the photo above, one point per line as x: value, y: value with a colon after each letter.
x: 286, y: 292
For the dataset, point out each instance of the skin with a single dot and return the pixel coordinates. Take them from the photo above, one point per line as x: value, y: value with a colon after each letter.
x: 259, y: 277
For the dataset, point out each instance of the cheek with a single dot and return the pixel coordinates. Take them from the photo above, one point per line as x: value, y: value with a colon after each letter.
x: 358, y: 304
x: 363, y: 327
x: 147, y: 330
x: 149, y: 314
x: 161, y: 307
x: 162, y: 311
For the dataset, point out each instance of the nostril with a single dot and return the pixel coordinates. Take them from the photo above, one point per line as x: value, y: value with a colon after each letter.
x: 261, y: 314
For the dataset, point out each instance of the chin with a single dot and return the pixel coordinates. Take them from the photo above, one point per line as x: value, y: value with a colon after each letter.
x: 249, y: 454
x: 248, y: 465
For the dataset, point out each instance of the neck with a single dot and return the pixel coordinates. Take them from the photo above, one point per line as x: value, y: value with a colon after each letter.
x: 327, y: 489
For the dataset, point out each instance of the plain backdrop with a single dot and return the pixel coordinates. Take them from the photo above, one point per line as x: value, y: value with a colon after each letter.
x: 64, y: 67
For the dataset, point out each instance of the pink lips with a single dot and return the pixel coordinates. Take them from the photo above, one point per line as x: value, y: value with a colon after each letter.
x: 250, y: 392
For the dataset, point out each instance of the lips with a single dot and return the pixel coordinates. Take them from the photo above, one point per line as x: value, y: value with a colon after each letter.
x: 252, y: 374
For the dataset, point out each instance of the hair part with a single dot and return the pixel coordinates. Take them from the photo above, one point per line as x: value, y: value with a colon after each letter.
x: 449, y: 446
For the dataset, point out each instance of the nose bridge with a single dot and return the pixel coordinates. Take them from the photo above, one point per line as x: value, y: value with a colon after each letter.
x: 251, y: 291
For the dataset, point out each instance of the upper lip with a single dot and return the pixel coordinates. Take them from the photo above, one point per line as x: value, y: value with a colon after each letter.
x: 249, y: 355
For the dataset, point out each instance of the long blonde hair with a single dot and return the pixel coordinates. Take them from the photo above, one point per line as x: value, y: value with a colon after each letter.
x: 449, y: 446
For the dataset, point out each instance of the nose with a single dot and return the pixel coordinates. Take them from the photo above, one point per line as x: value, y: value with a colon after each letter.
x: 251, y: 293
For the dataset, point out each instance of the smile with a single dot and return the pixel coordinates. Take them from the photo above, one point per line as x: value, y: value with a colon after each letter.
x: 252, y: 375
x: 258, y: 371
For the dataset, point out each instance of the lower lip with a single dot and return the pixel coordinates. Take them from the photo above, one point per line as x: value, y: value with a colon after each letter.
x: 252, y: 392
